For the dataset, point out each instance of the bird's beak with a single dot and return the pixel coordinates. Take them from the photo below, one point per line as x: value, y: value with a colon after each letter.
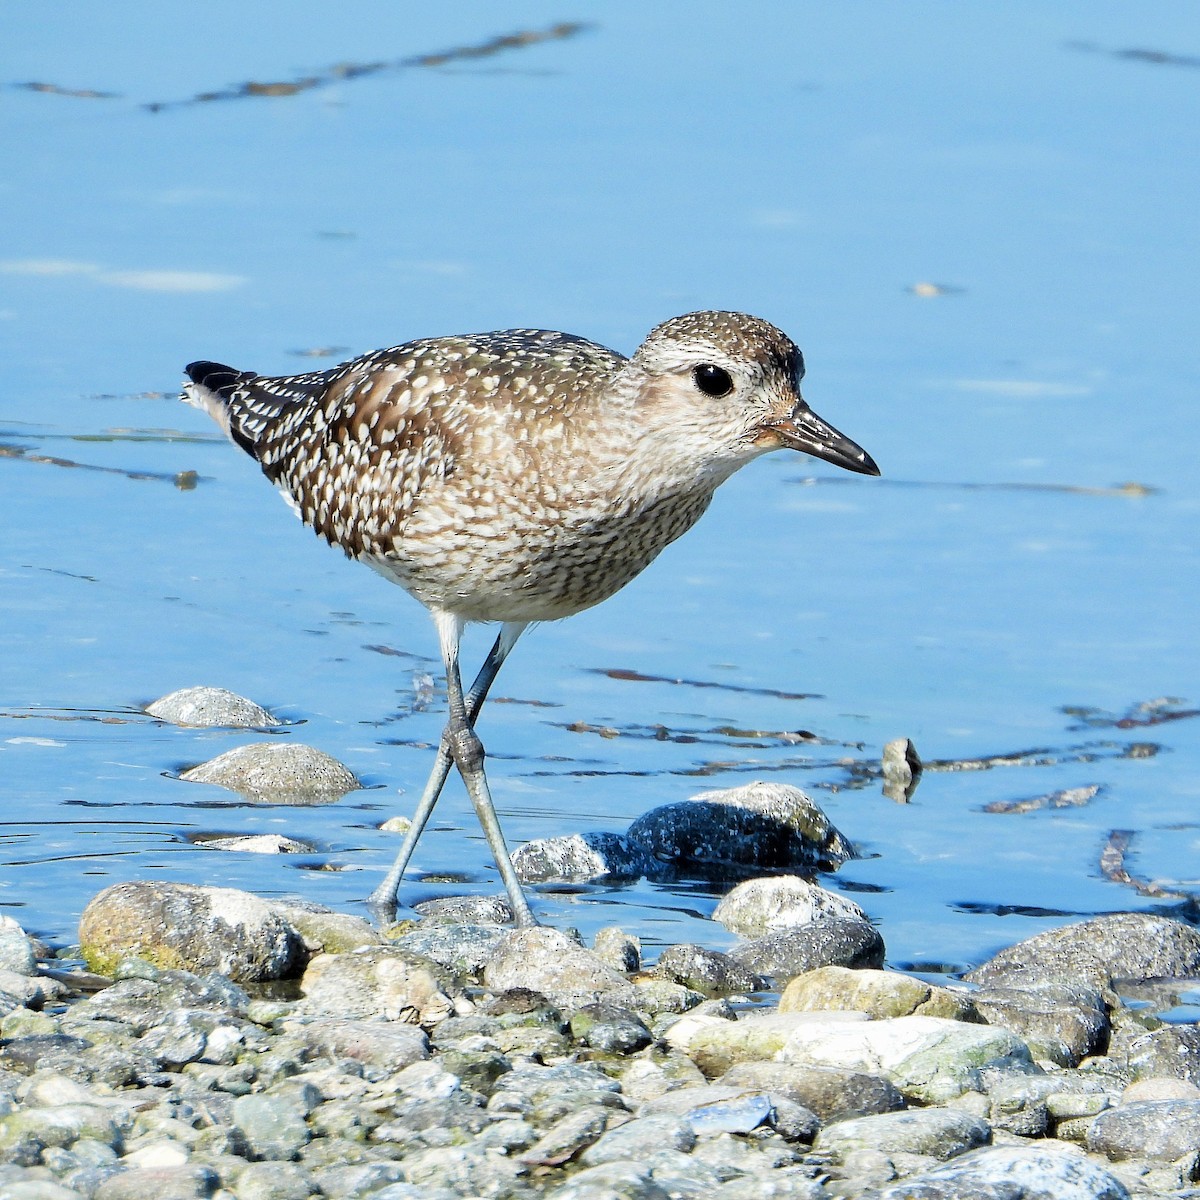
x: 803, y: 430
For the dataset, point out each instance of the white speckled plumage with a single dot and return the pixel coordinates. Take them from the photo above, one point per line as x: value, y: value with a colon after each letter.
x: 523, y: 475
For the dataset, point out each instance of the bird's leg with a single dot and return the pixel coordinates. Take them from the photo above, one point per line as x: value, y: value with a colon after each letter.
x: 383, y: 899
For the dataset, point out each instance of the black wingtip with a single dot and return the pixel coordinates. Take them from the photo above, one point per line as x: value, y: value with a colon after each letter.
x: 217, y: 377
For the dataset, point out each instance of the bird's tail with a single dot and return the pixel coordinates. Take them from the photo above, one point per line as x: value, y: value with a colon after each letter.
x: 213, y: 389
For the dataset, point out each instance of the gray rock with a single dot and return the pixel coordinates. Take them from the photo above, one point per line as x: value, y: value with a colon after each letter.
x: 640, y: 1139
x: 940, y: 1133
x: 19, y: 990
x: 619, y: 949
x: 829, y: 942
x: 795, y: 1183
x: 876, y: 993
x: 567, y: 1136
x: 381, y: 981
x: 464, y: 1170
x: 1157, y: 1130
x: 191, y: 1182
x: 901, y: 765
x: 623, y: 1180
x: 765, y: 825
x: 1009, y: 1173
x: 547, y: 961
x: 1125, y: 946
x: 182, y: 925
x: 580, y: 857
x: 466, y: 910
x: 278, y: 773
x: 273, y: 1127
x: 38, y: 1189
x: 462, y: 949
x: 256, y: 843
x: 1172, y: 1050
x: 760, y: 906
x: 928, y: 1058
x: 1062, y: 1022
x: 708, y: 972
x: 544, y: 1094
x: 385, y: 1045
x: 831, y: 1092
x: 204, y: 706
x: 324, y: 931
x: 714, y: 1108
x: 16, y: 950
x: 609, y: 1028
x: 274, y: 1181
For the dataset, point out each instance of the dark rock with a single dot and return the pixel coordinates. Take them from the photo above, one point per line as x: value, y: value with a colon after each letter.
x: 829, y: 942
x: 708, y: 972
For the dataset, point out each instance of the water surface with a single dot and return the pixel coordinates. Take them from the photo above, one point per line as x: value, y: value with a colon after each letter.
x: 978, y: 222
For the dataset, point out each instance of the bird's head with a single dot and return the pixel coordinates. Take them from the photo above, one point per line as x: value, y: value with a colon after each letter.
x: 733, y: 381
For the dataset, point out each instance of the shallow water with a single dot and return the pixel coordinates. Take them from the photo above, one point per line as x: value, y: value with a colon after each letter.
x: 979, y: 224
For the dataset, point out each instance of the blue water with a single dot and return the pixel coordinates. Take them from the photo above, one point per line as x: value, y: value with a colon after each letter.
x: 810, y: 163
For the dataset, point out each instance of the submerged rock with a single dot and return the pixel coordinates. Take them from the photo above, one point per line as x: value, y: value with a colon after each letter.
x: 280, y: 773
x: 206, y: 706
x: 580, y: 857
x: 768, y: 825
x: 775, y: 902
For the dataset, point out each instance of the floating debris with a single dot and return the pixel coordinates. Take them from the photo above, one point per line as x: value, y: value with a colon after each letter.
x: 344, y: 72
x: 1112, y: 867
x: 1158, y: 58
x: 929, y: 290
x: 628, y: 676
x: 1065, y: 798
x: 1145, y: 713
x: 54, y: 89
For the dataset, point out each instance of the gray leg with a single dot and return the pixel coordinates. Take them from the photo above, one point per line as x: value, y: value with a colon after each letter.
x: 384, y: 898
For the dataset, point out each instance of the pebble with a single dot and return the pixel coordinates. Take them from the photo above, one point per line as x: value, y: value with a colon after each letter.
x: 541, y: 1069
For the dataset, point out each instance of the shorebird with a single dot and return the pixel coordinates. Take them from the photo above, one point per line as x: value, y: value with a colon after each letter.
x: 516, y: 477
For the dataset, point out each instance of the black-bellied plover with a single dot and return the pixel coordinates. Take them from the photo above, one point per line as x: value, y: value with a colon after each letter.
x: 517, y: 476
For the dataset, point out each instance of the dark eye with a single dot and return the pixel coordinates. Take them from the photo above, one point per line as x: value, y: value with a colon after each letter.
x: 713, y: 380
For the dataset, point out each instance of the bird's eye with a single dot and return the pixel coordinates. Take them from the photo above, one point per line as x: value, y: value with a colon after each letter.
x: 712, y: 380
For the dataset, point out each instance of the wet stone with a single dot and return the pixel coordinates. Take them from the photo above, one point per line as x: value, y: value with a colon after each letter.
x: 178, y: 925
x: 766, y: 825
x: 460, y: 948
x: 1157, y: 1130
x: 609, y: 1028
x: 760, y: 906
x: 1009, y: 1173
x: 708, y: 972
x: 833, y: 941
x: 466, y: 910
x: 324, y: 931
x: 547, y: 961
x: 876, y: 993
x: 282, y: 773
x: 1127, y: 946
x: 579, y: 858
x: 385, y: 981
x: 207, y: 706
x: 16, y: 949
x: 937, y: 1133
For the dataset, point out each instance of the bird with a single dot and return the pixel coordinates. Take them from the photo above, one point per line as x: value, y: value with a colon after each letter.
x: 516, y: 477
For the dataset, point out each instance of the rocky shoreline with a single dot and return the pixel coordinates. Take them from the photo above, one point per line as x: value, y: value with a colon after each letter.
x: 250, y: 1050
